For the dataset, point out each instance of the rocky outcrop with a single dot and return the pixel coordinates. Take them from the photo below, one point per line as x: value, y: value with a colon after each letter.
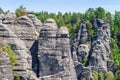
x: 5, y: 66
x: 37, y: 23
x: 23, y: 67
x: 43, y: 52
x: 82, y: 35
x: 83, y: 51
x: 54, y: 53
x: 101, y: 47
x: 9, y: 18
x: 26, y: 28
x: 97, y: 52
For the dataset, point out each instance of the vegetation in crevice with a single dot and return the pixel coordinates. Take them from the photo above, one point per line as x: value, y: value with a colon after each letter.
x: 84, y: 79
x: 85, y: 60
x: 7, y: 48
x: 100, y: 76
x: 17, y: 77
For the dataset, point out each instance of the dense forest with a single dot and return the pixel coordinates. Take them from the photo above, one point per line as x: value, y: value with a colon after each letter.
x: 72, y: 22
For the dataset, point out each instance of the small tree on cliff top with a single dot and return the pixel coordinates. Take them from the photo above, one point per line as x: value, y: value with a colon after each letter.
x: 21, y: 11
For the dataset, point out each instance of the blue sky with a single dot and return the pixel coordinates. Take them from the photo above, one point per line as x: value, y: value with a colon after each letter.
x: 61, y: 5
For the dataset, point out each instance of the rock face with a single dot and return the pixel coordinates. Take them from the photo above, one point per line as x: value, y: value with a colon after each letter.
x: 17, y: 35
x: 101, y: 47
x: 82, y: 33
x: 9, y: 18
x: 26, y: 28
x: 54, y: 53
x: 44, y: 51
x: 97, y: 52
x: 83, y: 51
x: 37, y: 23
x: 23, y: 65
x: 5, y: 66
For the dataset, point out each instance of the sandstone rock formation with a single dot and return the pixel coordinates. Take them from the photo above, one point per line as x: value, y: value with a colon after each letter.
x: 54, y: 53
x: 5, y: 66
x: 9, y: 18
x: 97, y: 52
x: 101, y: 47
x: 44, y: 51
x: 37, y: 23
x: 15, y: 35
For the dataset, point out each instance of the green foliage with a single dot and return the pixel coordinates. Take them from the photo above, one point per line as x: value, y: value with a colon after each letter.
x: 91, y: 29
x: 21, y: 11
x: 115, y: 52
x: 11, y: 54
x: 109, y: 76
x: 100, y: 13
x: 84, y: 41
x: 85, y: 60
x: 95, y: 75
x: 101, y: 76
x: 90, y: 14
x: 84, y: 79
x: 16, y: 77
x: 70, y: 20
x: 98, y: 76
x: 117, y: 75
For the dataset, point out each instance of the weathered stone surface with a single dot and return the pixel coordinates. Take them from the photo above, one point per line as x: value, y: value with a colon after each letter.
x: 110, y: 65
x: 54, y: 53
x: 97, y: 51
x: 24, y: 61
x: 9, y: 18
x: 37, y: 23
x: 101, y: 46
x: 5, y: 66
x: 24, y: 21
x: 50, y: 23
x: 25, y: 30
x: 49, y: 56
x: 82, y: 33
x: 83, y: 72
x: 23, y: 67
x: 74, y: 55
x: 99, y: 56
x: 5, y: 31
x: 2, y: 17
x: 83, y: 51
